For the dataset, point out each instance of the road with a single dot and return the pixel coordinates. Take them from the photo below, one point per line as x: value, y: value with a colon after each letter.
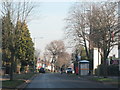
x: 56, y: 80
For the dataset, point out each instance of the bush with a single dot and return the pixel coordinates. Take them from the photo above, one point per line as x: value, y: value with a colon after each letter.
x: 112, y: 70
x: 100, y: 70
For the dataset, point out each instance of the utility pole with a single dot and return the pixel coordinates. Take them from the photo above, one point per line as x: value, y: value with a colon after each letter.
x: 90, y: 46
x: 1, y: 42
x: 34, y: 55
x: 34, y: 40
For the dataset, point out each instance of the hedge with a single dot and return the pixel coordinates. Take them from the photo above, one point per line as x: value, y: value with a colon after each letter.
x: 112, y: 70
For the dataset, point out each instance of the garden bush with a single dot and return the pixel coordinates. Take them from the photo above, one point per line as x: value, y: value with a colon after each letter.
x: 112, y: 70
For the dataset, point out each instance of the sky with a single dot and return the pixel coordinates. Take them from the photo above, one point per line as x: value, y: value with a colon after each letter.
x: 49, y: 24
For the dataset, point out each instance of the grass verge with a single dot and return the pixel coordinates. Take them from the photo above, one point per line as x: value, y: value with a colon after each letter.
x: 11, y: 84
x: 18, y: 80
x: 106, y: 80
x: 23, y: 76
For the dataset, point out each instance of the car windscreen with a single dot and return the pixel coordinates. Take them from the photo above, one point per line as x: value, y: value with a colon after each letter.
x: 69, y: 68
x: 42, y: 68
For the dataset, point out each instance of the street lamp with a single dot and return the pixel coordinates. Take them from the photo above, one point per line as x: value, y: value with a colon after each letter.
x: 90, y: 30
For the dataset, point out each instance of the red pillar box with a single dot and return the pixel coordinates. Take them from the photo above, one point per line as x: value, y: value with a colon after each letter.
x: 76, y: 70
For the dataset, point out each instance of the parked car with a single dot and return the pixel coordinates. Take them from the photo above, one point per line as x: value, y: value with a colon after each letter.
x: 42, y: 70
x: 69, y: 70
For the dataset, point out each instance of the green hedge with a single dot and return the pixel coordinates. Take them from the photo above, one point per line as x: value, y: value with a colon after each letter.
x: 112, y: 70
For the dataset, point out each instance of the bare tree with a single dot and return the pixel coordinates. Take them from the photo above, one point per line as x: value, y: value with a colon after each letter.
x: 97, y: 27
x: 76, y: 24
x: 0, y: 42
x: 63, y: 59
x: 55, y: 48
x: 104, y: 32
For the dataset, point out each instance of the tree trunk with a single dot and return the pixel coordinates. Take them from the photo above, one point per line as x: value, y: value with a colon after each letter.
x: 87, y: 53
x: 12, y: 65
x: 105, y: 64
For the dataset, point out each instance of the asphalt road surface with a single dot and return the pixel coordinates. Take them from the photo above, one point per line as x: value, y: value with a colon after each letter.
x: 56, y: 80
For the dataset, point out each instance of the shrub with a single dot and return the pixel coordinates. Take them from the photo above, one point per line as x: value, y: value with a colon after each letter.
x: 112, y: 70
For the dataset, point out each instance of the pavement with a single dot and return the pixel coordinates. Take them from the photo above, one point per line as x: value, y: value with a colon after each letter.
x: 27, y: 82
x: 7, y: 77
x: 110, y: 83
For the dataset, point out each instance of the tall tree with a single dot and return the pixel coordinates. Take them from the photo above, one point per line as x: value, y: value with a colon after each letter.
x: 24, y: 46
x: 75, y: 28
x: 98, y: 27
x: 78, y: 30
x: 104, y: 34
x: 7, y: 28
x: 17, y: 11
x: 1, y: 41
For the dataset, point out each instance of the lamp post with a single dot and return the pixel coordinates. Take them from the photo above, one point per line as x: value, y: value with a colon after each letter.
x: 35, y: 40
x: 53, y: 61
